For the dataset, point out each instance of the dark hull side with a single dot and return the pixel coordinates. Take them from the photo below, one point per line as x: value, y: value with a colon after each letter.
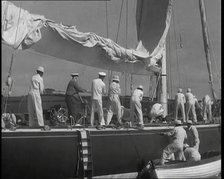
x: 32, y: 154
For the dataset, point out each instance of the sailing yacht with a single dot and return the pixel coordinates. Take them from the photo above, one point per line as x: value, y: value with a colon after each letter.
x: 78, y: 152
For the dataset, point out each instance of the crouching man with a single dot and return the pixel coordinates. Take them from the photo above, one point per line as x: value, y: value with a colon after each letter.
x: 156, y: 112
x: 178, y: 136
x: 191, y: 154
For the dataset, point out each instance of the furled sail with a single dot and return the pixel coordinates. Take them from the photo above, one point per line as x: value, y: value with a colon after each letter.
x: 23, y: 30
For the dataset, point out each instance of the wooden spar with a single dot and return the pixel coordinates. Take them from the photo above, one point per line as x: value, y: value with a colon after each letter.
x: 163, y: 94
x: 206, y: 45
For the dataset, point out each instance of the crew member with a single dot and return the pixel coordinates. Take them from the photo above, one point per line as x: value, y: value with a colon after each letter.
x: 190, y: 105
x: 179, y: 104
x: 207, y: 108
x: 98, y: 89
x: 136, y: 106
x: 156, y: 112
x: 72, y: 98
x: 178, y: 136
x: 114, y: 105
x: 191, y: 154
x: 192, y: 135
x: 34, y: 99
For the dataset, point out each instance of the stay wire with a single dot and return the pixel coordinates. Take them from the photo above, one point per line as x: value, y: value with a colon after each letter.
x: 12, y: 57
x: 170, y: 66
x: 218, y: 76
x: 126, y: 45
x: 107, y: 34
x: 175, y: 38
x: 118, y: 29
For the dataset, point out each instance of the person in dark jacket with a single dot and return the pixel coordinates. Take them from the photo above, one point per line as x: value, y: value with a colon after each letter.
x: 72, y: 98
x: 192, y: 135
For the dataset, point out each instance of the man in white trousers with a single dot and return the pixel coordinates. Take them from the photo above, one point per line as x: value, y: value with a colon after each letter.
x: 114, y: 105
x: 98, y: 89
x: 34, y: 99
x: 179, y: 104
x: 190, y: 105
x: 207, y: 108
x: 136, y: 107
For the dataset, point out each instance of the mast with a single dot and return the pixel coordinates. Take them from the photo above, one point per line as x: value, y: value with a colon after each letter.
x: 206, y: 45
x: 163, y: 94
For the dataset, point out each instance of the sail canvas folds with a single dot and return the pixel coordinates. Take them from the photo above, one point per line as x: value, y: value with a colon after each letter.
x: 153, y: 21
x: 23, y: 30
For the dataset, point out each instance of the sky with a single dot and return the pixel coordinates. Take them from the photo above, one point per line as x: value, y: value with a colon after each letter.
x: 186, y: 66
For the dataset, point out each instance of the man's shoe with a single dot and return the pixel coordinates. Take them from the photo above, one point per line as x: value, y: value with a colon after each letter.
x: 99, y: 127
x: 140, y: 127
x: 119, y: 127
x: 46, y: 128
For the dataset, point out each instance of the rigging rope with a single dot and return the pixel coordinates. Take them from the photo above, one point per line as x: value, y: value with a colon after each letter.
x: 178, y: 68
x: 218, y: 76
x: 119, y: 21
x: 107, y: 34
x: 170, y: 67
x: 126, y: 45
x: 157, y: 83
x: 9, y: 81
x: 107, y: 20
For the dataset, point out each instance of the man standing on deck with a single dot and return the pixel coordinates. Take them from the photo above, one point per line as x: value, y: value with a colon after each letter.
x: 34, y: 99
x: 98, y: 89
x: 190, y: 105
x: 207, y: 108
x: 72, y: 97
x: 178, y: 136
x: 114, y: 106
x: 179, y: 104
x: 192, y: 135
x: 136, y: 106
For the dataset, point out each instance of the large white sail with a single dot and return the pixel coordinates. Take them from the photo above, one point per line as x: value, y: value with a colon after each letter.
x: 21, y: 29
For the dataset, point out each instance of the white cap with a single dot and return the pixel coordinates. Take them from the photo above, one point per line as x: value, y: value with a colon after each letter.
x: 189, y: 122
x: 75, y: 74
x: 186, y: 146
x: 180, y: 90
x: 115, y: 78
x: 102, y: 74
x: 41, y: 69
x: 189, y: 90
x: 140, y: 87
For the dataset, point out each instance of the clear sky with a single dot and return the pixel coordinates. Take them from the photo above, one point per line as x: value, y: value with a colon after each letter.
x: 186, y: 66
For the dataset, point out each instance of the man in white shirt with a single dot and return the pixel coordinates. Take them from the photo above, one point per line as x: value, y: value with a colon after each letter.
x: 98, y: 89
x: 136, y: 106
x: 207, y: 108
x: 179, y: 104
x: 156, y: 112
x: 190, y: 105
x: 178, y: 136
x: 34, y: 99
x: 114, y: 104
